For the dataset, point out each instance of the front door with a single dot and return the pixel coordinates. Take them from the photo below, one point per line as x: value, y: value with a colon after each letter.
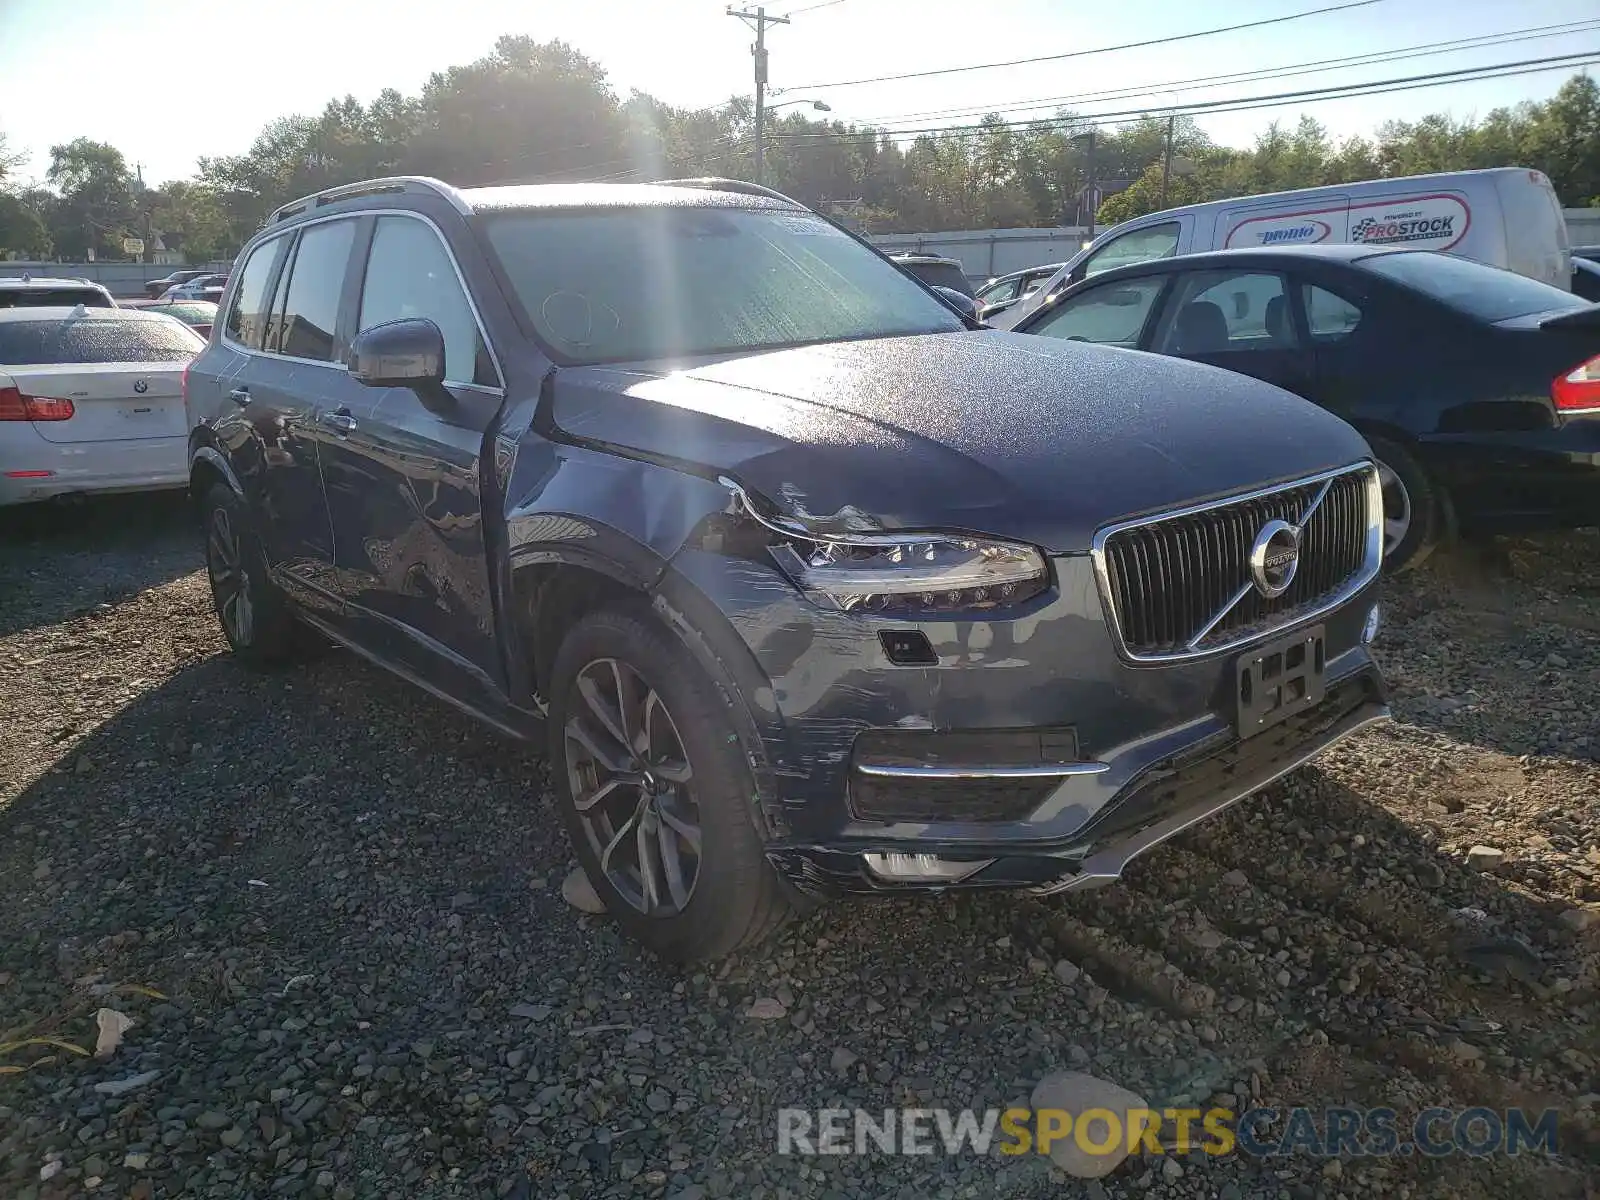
x: 1243, y: 321
x: 404, y: 480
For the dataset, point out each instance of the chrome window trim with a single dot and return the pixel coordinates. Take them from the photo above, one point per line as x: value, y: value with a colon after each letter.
x: 1368, y: 571
x: 461, y: 280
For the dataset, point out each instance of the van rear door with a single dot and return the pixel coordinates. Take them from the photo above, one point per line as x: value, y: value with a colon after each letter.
x: 1535, y: 228
x: 1303, y: 222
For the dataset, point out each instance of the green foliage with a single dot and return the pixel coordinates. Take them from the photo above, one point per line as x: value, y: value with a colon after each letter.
x: 543, y: 112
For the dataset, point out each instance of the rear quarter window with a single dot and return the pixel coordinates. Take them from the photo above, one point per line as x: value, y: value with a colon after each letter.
x: 96, y: 341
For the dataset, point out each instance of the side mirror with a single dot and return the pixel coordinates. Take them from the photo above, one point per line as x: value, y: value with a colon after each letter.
x: 408, y: 353
x: 960, y: 300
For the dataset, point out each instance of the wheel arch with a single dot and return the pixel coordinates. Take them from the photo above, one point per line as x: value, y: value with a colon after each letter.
x: 554, y: 586
x: 207, y: 466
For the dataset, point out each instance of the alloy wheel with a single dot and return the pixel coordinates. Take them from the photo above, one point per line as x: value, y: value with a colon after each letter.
x: 633, y: 787
x: 1396, y: 509
x: 230, y: 581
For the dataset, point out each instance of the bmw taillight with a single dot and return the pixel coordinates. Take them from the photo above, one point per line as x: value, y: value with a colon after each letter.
x: 14, y: 406
x: 1578, y: 391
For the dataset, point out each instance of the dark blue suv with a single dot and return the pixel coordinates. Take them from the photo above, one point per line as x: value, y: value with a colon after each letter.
x: 811, y: 584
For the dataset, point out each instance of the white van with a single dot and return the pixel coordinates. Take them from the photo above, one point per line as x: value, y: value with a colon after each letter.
x: 1507, y: 217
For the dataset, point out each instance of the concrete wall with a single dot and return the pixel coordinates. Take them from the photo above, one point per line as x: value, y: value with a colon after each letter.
x: 121, y: 279
x: 985, y: 253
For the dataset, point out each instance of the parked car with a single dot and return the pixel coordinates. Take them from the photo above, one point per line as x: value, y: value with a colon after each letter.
x: 1005, y: 290
x: 1586, y: 278
x: 91, y: 400
x: 28, y: 291
x: 1592, y: 253
x: 935, y: 271
x: 806, y: 583
x: 1505, y: 217
x: 201, y: 287
x: 198, y: 315
x: 1478, y: 389
x: 156, y: 288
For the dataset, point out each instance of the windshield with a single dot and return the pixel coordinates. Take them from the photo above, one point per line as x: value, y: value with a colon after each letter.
x: 1479, y: 291
x: 644, y: 283
x: 35, y: 343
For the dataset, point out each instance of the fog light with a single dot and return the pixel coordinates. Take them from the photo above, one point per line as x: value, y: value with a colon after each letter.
x: 1369, y: 631
x: 921, y: 868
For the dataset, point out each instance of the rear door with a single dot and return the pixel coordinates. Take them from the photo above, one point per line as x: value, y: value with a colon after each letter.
x: 1242, y: 320
x: 291, y: 392
x: 122, y: 376
x: 404, y: 481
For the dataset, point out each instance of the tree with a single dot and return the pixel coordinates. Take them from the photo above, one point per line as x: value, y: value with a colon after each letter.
x: 22, y: 230
x: 96, y: 210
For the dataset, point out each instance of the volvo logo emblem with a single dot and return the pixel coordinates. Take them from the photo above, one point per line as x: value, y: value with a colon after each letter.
x: 140, y: 386
x: 1274, y: 558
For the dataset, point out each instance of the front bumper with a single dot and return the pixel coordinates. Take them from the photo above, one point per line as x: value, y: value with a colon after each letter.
x: 1158, y: 789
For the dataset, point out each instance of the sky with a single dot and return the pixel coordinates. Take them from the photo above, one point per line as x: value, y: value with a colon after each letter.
x: 166, y: 81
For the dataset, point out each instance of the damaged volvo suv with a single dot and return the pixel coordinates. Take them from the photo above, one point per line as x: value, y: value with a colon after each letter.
x: 812, y: 585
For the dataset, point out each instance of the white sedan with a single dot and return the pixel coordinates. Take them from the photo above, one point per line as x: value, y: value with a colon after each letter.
x: 198, y: 288
x: 91, y: 400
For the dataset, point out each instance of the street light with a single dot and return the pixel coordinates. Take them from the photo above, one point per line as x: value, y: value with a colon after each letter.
x: 762, y: 109
x: 816, y: 104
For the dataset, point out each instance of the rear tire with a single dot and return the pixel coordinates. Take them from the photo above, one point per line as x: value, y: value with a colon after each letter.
x: 254, y: 615
x: 655, y: 790
x: 1416, y: 510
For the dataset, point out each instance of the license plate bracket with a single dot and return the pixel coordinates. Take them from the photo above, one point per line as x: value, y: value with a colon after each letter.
x: 1278, y: 679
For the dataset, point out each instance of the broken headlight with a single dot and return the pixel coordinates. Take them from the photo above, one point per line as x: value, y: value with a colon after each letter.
x: 919, y: 574
x: 902, y: 574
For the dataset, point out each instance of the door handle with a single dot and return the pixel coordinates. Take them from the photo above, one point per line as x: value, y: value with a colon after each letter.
x: 240, y: 396
x: 339, y: 419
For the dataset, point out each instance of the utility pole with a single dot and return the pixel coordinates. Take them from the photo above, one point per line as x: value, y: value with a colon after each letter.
x: 1092, y: 197
x: 1166, y: 158
x: 759, y: 21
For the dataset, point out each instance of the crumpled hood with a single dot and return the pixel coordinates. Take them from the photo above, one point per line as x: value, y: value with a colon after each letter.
x: 1006, y: 434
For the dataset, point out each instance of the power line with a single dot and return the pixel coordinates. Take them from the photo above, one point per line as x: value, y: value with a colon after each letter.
x: 812, y: 7
x: 1243, y: 103
x: 1018, y: 62
x: 1316, y: 66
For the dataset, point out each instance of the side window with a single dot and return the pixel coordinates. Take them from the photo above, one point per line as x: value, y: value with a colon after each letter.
x: 1216, y: 312
x: 247, y: 317
x: 1141, y: 245
x: 316, y: 281
x: 409, y: 274
x: 1000, y: 292
x: 1113, y: 314
x: 1330, y: 318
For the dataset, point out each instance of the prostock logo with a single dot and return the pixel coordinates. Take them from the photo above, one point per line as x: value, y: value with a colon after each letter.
x: 1384, y: 231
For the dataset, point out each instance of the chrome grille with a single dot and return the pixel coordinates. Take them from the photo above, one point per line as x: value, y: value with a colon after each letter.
x: 1179, y: 585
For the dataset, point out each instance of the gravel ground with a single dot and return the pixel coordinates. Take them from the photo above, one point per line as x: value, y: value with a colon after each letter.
x: 346, y: 901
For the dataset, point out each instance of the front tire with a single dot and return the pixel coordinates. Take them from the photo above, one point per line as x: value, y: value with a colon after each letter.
x: 1415, y: 508
x: 253, y: 613
x: 655, y: 791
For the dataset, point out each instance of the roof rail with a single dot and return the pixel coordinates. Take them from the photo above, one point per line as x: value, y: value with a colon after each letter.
x: 713, y: 183
x: 370, y: 187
